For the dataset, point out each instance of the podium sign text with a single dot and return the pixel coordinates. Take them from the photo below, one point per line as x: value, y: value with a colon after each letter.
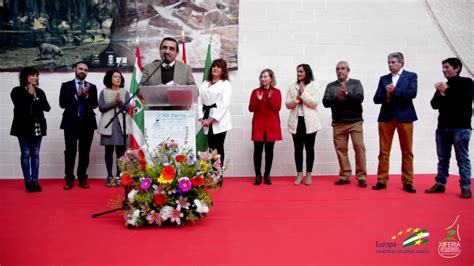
x: 170, y: 124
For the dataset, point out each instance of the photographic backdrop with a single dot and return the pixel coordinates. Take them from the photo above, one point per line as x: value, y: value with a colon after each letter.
x: 55, y: 34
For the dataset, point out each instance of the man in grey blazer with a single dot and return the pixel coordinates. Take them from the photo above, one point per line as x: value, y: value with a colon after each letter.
x: 167, y: 70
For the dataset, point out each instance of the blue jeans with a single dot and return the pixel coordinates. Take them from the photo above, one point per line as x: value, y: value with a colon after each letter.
x: 30, y: 148
x: 459, y: 138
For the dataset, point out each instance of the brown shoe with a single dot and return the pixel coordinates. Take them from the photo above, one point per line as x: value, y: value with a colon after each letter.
x: 69, y: 184
x: 342, y: 182
x: 83, y: 184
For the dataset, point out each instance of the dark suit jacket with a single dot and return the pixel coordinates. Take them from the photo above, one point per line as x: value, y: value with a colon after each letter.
x: 27, y: 111
x: 400, y: 105
x: 69, y: 102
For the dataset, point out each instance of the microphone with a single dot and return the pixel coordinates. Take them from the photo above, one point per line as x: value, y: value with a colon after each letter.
x: 167, y: 58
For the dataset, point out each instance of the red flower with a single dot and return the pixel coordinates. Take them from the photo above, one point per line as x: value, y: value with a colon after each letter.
x: 160, y: 199
x: 180, y: 158
x: 197, y: 181
x: 169, y: 172
x: 142, y: 165
x: 126, y: 179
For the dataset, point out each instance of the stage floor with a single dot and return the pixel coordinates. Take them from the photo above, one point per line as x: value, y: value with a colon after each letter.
x: 283, y: 224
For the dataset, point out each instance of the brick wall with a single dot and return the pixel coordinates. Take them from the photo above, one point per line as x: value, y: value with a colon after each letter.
x: 280, y: 35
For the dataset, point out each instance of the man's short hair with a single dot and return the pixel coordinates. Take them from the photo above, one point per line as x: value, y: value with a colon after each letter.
x: 454, y: 62
x: 171, y: 40
x: 345, y: 63
x: 398, y: 56
x: 81, y: 62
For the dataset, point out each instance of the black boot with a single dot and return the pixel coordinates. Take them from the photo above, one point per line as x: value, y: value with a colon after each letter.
x: 219, y: 183
x: 29, y: 187
x: 36, y: 186
x: 266, y: 178
x: 258, y: 180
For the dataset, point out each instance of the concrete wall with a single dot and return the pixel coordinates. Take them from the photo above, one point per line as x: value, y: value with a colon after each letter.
x: 281, y: 35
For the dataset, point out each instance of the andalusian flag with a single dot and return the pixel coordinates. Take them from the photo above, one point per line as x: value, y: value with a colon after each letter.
x: 201, y: 139
x: 137, y: 139
x: 417, y: 238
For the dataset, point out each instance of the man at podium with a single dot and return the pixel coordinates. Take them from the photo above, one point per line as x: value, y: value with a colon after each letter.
x: 167, y: 71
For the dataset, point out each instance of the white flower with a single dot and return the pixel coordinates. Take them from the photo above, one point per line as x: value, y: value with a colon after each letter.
x: 165, y: 212
x: 131, y: 195
x: 201, y: 207
x: 133, y: 217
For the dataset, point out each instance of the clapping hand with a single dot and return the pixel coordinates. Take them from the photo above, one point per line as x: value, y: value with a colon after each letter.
x: 79, y: 91
x: 117, y: 100
x: 259, y: 95
x: 31, y: 90
x: 390, y: 88
x: 441, y: 87
x: 270, y: 94
x: 342, y: 91
x: 86, y: 90
x: 300, y: 90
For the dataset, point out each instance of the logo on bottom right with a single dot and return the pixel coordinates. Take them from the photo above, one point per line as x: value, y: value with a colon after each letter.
x: 450, y: 247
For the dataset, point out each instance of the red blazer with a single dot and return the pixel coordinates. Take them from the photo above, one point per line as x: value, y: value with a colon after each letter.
x: 266, y: 117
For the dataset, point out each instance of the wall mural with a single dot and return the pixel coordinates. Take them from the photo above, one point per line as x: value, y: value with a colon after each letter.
x: 55, y: 34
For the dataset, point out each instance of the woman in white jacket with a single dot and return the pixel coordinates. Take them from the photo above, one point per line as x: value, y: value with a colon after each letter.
x: 302, y: 99
x: 214, y: 100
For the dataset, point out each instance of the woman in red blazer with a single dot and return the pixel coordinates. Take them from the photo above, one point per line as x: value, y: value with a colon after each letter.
x: 265, y: 103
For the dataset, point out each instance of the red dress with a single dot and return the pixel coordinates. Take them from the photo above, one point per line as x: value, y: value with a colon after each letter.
x: 266, y: 117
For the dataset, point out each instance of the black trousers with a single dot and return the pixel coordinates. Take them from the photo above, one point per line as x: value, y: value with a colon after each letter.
x: 257, y: 156
x: 109, y: 157
x: 75, y: 138
x: 216, y: 141
x: 302, y: 140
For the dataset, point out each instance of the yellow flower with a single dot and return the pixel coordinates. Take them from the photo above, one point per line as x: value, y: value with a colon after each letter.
x: 163, y: 180
x: 204, y: 165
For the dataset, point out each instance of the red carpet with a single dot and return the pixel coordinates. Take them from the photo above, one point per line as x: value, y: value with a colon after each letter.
x: 280, y: 224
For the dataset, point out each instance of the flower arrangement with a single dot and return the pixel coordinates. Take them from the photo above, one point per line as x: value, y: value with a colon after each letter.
x: 168, y: 186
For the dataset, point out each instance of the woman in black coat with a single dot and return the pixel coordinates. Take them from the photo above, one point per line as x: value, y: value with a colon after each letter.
x: 29, y: 124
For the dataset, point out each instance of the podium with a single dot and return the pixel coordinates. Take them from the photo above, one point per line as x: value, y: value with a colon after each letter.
x: 170, y: 113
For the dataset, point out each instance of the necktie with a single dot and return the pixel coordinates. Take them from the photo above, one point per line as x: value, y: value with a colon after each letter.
x: 80, y: 107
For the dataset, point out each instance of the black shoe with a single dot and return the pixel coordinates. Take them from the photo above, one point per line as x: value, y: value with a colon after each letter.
x: 266, y: 179
x: 36, y: 186
x: 437, y: 188
x: 466, y: 193
x: 69, y: 184
x: 109, y: 181
x: 258, y: 180
x: 342, y: 182
x: 29, y: 187
x: 83, y: 184
x: 362, y: 183
x: 379, y: 186
x: 409, y: 188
